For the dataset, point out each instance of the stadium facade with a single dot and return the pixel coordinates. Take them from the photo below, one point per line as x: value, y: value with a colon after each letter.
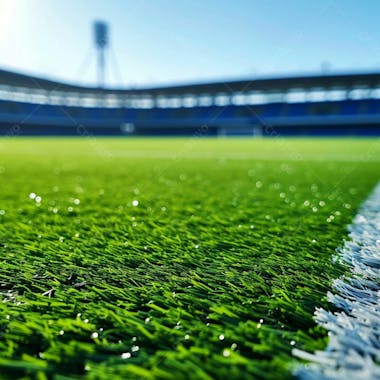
x: 344, y: 104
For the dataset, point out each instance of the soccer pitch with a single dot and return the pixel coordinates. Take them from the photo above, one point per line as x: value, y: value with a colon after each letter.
x: 171, y: 258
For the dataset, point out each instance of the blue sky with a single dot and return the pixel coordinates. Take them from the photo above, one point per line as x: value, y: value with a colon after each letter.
x: 169, y: 41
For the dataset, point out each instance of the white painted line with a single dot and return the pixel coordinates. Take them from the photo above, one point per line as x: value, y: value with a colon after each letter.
x: 353, y: 351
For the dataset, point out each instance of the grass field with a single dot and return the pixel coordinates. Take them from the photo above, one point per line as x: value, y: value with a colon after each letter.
x: 171, y: 258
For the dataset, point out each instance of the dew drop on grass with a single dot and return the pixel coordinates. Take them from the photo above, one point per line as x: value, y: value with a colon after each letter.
x: 314, y: 187
x: 258, y: 325
x: 55, y: 210
x: 135, y: 203
x: 2, y: 212
x: 8, y: 317
x: 233, y: 346
x: 313, y: 241
x: 196, y: 246
x: 251, y: 226
x: 125, y: 355
x: 38, y: 199
x: 94, y: 335
x: 135, y: 348
x: 226, y: 352
x: 134, y: 339
x: 61, y: 332
x: 187, y: 337
x: 32, y: 195
x: 61, y: 239
x: 221, y: 337
x: 76, y: 201
x: 85, y: 321
x: 147, y: 320
x: 292, y: 342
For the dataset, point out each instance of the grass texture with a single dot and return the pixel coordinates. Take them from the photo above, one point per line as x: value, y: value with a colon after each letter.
x: 171, y: 258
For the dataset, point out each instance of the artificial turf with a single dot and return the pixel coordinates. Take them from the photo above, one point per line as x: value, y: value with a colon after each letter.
x: 171, y: 258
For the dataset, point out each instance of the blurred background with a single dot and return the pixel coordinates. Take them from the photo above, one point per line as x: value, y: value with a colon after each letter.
x: 192, y: 67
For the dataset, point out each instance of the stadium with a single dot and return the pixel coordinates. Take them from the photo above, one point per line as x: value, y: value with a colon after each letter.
x: 202, y: 229
x: 315, y: 105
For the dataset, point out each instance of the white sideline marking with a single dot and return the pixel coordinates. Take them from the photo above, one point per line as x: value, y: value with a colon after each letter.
x: 354, y: 332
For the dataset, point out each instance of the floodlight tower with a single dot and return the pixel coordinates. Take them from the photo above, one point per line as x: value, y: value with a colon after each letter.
x: 101, y: 35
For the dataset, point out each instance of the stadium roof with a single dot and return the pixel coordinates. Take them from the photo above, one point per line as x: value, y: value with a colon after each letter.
x: 274, y: 84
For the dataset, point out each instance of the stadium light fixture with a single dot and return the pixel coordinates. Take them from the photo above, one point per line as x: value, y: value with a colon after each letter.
x: 101, y: 34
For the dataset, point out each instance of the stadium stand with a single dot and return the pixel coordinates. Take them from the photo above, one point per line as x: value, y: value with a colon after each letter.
x: 344, y: 104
